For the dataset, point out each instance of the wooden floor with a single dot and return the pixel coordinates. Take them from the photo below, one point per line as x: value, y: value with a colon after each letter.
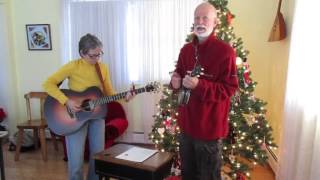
x: 31, y: 167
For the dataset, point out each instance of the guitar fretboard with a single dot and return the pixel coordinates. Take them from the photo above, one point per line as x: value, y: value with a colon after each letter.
x: 107, y: 99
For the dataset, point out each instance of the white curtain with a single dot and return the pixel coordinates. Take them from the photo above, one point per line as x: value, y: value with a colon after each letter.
x: 106, y: 20
x: 157, y: 29
x: 300, y: 148
x: 142, y: 40
x: 7, y: 73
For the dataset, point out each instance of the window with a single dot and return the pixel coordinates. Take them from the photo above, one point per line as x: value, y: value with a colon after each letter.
x: 142, y: 38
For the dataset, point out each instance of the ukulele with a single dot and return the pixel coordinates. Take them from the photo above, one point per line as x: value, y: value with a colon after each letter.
x: 184, y: 93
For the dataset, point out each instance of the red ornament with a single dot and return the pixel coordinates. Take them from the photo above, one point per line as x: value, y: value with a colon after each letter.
x: 167, y: 123
x: 229, y: 18
x: 246, y: 74
x: 246, y: 77
x: 177, y: 162
x: 241, y: 176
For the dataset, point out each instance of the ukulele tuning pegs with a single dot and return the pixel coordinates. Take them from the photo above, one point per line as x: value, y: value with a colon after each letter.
x: 153, y: 87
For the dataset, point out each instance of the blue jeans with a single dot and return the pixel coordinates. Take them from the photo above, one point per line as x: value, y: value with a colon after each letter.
x: 95, y: 130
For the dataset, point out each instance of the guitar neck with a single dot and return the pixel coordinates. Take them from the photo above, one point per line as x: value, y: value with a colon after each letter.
x: 107, y: 99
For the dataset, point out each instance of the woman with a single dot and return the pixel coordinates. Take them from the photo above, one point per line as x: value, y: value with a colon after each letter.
x: 81, y: 74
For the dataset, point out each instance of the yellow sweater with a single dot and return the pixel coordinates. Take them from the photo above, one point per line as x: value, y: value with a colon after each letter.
x: 81, y: 75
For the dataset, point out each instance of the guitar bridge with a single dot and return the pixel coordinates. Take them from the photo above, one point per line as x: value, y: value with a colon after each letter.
x: 91, y: 105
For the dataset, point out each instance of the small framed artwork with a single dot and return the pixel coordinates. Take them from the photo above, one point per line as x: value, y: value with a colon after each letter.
x: 39, y: 36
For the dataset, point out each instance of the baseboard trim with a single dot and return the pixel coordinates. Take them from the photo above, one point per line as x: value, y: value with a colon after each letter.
x: 272, y: 160
x: 133, y: 137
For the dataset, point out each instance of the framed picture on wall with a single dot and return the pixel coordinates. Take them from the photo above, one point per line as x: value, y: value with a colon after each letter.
x: 39, y: 36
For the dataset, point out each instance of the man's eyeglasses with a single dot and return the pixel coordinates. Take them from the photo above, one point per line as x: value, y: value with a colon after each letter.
x: 94, y: 56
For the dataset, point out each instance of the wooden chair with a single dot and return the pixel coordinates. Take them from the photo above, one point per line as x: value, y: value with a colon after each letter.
x: 37, y: 125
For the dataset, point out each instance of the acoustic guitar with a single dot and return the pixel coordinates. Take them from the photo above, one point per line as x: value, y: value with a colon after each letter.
x: 62, y: 120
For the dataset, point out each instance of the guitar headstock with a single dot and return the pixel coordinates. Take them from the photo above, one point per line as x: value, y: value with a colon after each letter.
x: 197, y: 71
x: 153, y: 86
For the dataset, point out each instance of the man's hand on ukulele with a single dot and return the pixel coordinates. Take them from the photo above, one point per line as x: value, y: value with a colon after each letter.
x: 190, y: 82
x: 175, y: 80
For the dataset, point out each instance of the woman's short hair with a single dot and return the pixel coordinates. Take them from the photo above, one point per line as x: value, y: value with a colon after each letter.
x: 88, y: 42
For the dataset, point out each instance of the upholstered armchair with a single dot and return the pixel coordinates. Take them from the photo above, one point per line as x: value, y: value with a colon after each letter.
x: 116, y: 123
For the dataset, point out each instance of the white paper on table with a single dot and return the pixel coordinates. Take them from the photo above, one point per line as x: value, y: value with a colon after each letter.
x: 3, y: 133
x: 136, y: 154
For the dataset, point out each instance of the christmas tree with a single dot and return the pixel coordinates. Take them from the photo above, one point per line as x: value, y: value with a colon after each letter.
x: 249, y: 133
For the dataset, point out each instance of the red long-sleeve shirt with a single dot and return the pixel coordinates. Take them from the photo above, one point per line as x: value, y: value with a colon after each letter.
x: 205, y: 117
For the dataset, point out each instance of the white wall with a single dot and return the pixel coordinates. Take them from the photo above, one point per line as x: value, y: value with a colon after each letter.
x: 28, y: 69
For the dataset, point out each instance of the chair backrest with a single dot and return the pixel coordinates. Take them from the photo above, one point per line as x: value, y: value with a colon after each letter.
x: 41, y: 96
x: 115, y: 110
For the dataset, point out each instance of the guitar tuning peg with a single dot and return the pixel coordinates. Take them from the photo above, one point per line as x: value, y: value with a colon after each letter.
x: 201, y: 73
x: 202, y: 69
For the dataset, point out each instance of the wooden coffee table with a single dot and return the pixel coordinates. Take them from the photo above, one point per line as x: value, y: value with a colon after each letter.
x: 156, y: 167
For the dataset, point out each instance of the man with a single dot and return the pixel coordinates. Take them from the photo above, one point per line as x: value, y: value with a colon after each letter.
x: 204, y: 119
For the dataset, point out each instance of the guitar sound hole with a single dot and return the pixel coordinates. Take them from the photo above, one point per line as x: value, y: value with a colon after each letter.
x: 86, y: 105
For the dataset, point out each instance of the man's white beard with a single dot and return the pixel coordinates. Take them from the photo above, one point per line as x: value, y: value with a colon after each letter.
x: 204, y: 34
